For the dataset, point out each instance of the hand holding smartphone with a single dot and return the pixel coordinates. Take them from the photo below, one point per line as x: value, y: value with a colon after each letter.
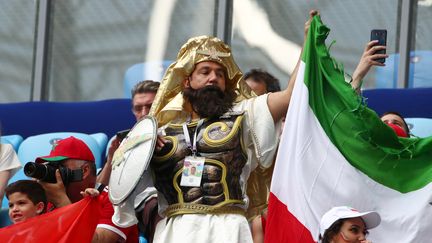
x: 122, y: 134
x: 381, y: 37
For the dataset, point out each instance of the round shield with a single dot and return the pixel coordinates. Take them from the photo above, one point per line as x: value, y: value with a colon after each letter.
x: 132, y: 158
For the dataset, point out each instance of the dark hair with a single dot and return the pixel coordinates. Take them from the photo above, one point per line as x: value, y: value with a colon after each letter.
x: 33, y: 190
x: 259, y: 75
x: 399, y: 115
x: 146, y: 86
x: 331, y: 231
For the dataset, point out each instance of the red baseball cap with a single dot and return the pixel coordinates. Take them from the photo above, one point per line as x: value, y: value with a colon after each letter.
x: 68, y: 148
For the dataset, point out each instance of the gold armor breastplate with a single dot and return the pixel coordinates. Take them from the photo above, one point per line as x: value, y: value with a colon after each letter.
x: 221, y: 144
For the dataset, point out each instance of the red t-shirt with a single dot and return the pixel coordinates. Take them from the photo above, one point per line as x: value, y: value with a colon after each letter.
x: 130, y: 234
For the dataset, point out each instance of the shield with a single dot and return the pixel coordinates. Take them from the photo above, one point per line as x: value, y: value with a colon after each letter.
x: 132, y: 158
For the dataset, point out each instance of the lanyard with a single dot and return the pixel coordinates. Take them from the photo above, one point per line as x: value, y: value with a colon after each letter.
x: 192, y: 146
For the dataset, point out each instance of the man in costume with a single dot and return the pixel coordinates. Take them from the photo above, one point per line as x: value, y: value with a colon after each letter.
x: 209, y: 120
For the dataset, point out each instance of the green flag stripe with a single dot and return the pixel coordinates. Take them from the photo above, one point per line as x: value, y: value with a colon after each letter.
x: 403, y: 164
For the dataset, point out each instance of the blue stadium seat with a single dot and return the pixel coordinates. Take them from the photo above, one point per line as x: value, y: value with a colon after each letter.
x: 420, y: 127
x: 4, y: 217
x: 41, y: 145
x: 14, y: 140
x: 108, y: 145
x: 142, y: 239
x: 152, y: 70
x: 102, y: 140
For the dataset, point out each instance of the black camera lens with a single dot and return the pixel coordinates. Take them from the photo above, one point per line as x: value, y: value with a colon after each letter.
x: 42, y: 172
x: 46, y: 173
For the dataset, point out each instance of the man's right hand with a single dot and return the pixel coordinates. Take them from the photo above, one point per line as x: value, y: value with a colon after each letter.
x: 56, y: 192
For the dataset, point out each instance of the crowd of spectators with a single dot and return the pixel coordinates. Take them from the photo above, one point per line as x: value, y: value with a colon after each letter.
x: 210, y: 84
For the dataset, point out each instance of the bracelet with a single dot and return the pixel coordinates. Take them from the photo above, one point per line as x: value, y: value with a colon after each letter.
x: 100, y: 187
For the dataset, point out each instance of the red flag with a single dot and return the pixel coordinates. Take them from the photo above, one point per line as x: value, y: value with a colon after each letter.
x: 73, y: 223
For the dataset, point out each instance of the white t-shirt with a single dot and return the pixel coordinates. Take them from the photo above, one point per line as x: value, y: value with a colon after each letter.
x: 9, y: 159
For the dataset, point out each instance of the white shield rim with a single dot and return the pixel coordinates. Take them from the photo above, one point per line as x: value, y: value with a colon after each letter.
x: 118, y: 191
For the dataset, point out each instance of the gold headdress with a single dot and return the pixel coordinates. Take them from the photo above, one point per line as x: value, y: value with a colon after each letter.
x: 168, y: 101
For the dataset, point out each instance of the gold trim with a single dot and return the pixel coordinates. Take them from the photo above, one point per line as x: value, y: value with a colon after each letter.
x: 223, y: 126
x: 219, y: 142
x: 221, y: 208
x: 192, y: 123
x: 222, y: 181
x: 177, y: 187
x: 242, y: 145
x: 165, y: 157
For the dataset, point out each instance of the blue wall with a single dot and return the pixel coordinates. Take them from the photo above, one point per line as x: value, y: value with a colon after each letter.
x: 32, y: 118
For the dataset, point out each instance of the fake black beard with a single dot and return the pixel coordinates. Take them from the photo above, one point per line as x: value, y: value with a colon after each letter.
x: 209, y: 101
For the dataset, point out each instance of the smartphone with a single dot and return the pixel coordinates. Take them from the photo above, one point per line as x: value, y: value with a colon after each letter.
x: 122, y: 134
x: 381, y: 36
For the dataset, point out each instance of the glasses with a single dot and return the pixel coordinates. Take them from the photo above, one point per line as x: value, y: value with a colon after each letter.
x: 140, y: 108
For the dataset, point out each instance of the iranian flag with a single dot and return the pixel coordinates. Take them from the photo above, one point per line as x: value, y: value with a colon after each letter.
x: 336, y: 152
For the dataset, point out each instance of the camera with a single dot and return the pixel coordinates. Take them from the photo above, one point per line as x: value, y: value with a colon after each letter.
x: 46, y: 172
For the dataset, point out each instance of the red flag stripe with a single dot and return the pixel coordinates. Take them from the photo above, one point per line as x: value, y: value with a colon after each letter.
x: 282, y: 226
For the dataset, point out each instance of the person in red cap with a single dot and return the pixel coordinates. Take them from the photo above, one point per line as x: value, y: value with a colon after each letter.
x: 74, y: 154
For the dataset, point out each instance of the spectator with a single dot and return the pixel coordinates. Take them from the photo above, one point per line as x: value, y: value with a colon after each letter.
x: 74, y: 154
x: 345, y: 224
x: 258, y: 188
x: 9, y: 165
x: 143, y: 95
x: 261, y: 82
x: 27, y: 199
x: 396, y: 122
x: 367, y: 60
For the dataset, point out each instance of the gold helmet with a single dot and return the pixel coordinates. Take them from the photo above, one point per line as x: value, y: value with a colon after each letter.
x: 196, y: 50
